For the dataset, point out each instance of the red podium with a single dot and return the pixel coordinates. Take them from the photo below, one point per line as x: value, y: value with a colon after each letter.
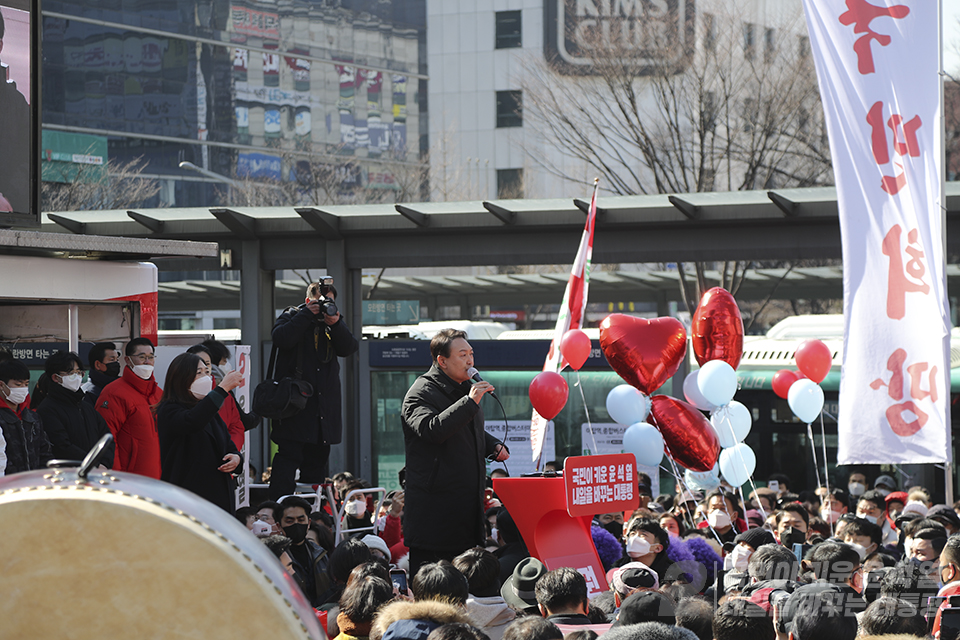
x: 539, y: 508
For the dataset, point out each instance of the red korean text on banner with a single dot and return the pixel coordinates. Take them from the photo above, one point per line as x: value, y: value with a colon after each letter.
x: 861, y: 14
x: 901, y: 279
x: 600, y: 484
x: 905, y: 143
x: 897, y: 414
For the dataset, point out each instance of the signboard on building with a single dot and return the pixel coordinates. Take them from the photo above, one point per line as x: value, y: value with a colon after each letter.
x: 389, y: 312
x: 73, y: 157
x: 646, y: 34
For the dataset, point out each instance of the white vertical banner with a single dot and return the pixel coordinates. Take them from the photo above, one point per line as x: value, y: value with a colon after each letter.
x: 878, y: 67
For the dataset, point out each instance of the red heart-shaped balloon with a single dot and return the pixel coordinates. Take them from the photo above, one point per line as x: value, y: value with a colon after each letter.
x: 687, y: 435
x: 717, y: 329
x: 643, y: 352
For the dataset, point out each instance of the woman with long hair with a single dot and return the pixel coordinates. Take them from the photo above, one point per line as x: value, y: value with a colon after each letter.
x: 196, y: 452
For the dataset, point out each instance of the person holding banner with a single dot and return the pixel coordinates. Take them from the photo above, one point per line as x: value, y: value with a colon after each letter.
x: 445, y: 450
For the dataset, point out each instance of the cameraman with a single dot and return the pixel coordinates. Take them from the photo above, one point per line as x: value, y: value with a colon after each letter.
x: 310, y: 337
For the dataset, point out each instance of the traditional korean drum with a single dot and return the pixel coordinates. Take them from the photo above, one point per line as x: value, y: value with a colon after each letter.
x: 117, y: 555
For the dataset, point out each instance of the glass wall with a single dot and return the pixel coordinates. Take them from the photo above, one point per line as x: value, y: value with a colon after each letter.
x: 266, y: 85
x: 389, y: 387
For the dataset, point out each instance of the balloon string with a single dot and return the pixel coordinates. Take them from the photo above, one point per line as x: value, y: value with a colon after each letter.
x: 686, y: 487
x: 743, y: 463
x: 752, y: 484
x: 587, y: 412
x: 826, y: 471
x: 813, y: 449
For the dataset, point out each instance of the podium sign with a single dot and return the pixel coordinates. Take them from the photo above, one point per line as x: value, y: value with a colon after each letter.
x: 550, y: 533
x: 600, y: 484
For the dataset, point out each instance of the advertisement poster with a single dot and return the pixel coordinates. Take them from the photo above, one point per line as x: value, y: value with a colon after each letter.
x: 518, y: 441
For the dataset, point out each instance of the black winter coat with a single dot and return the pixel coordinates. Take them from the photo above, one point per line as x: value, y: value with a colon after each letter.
x: 72, y: 425
x: 193, y: 442
x: 27, y: 445
x: 446, y: 446
x: 320, y: 344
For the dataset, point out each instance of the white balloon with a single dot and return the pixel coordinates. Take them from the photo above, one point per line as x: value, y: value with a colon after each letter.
x: 737, y: 464
x: 805, y: 399
x: 717, y: 382
x: 645, y: 443
x: 691, y: 391
x: 732, y: 423
x: 627, y: 405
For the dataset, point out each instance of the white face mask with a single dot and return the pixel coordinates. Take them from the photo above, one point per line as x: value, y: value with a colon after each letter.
x: 201, y: 387
x: 143, y: 370
x: 637, y: 546
x: 883, y: 492
x: 356, y: 508
x: 856, y: 488
x: 830, y: 516
x: 861, y: 550
x: 740, y: 557
x: 16, y: 395
x: 718, y: 519
x: 493, y: 533
x: 72, y: 381
x: 871, y: 519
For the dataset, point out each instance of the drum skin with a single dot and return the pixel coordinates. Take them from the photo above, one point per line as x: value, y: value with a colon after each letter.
x: 119, y: 555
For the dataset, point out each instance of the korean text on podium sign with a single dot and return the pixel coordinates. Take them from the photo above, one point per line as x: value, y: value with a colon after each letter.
x: 600, y: 484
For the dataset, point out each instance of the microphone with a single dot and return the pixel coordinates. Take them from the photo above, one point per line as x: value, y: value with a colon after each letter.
x: 475, y: 376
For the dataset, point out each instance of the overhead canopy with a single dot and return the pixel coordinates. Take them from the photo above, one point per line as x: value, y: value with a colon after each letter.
x: 504, y: 290
x: 789, y: 224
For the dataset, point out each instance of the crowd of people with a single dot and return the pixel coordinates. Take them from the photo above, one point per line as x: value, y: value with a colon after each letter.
x: 443, y: 559
x: 825, y: 564
x: 188, y: 433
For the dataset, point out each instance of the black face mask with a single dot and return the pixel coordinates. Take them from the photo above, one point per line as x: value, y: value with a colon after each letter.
x: 296, y: 532
x: 615, y: 528
x: 791, y: 536
x: 113, y: 370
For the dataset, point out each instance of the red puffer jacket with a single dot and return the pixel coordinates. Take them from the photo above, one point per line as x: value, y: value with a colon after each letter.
x: 127, y: 406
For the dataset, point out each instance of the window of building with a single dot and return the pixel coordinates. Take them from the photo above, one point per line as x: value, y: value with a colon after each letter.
x: 509, y: 184
x: 749, y: 41
x: 226, y: 323
x: 709, y: 31
x: 509, y: 109
x: 804, y: 47
x: 769, y: 44
x: 508, y: 30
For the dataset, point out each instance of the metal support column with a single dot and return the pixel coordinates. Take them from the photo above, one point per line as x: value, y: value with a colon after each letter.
x: 350, y: 300
x: 257, y: 310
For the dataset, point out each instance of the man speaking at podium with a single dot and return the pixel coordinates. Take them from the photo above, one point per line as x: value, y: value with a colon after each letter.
x: 446, y: 446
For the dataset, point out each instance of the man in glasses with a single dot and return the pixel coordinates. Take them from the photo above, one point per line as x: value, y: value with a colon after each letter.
x: 127, y: 404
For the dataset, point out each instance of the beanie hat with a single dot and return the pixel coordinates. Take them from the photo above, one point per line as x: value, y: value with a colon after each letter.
x: 756, y: 538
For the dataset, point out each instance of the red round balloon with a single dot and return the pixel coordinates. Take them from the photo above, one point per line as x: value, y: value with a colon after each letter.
x: 575, y: 348
x: 643, y: 352
x: 782, y: 380
x: 548, y: 393
x: 687, y: 435
x: 814, y: 360
x: 717, y: 329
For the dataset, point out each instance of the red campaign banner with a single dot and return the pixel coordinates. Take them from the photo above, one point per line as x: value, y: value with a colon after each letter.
x: 600, y: 484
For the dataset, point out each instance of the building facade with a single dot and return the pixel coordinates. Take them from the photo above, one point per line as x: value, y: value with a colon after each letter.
x: 241, y: 88
x: 505, y: 74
